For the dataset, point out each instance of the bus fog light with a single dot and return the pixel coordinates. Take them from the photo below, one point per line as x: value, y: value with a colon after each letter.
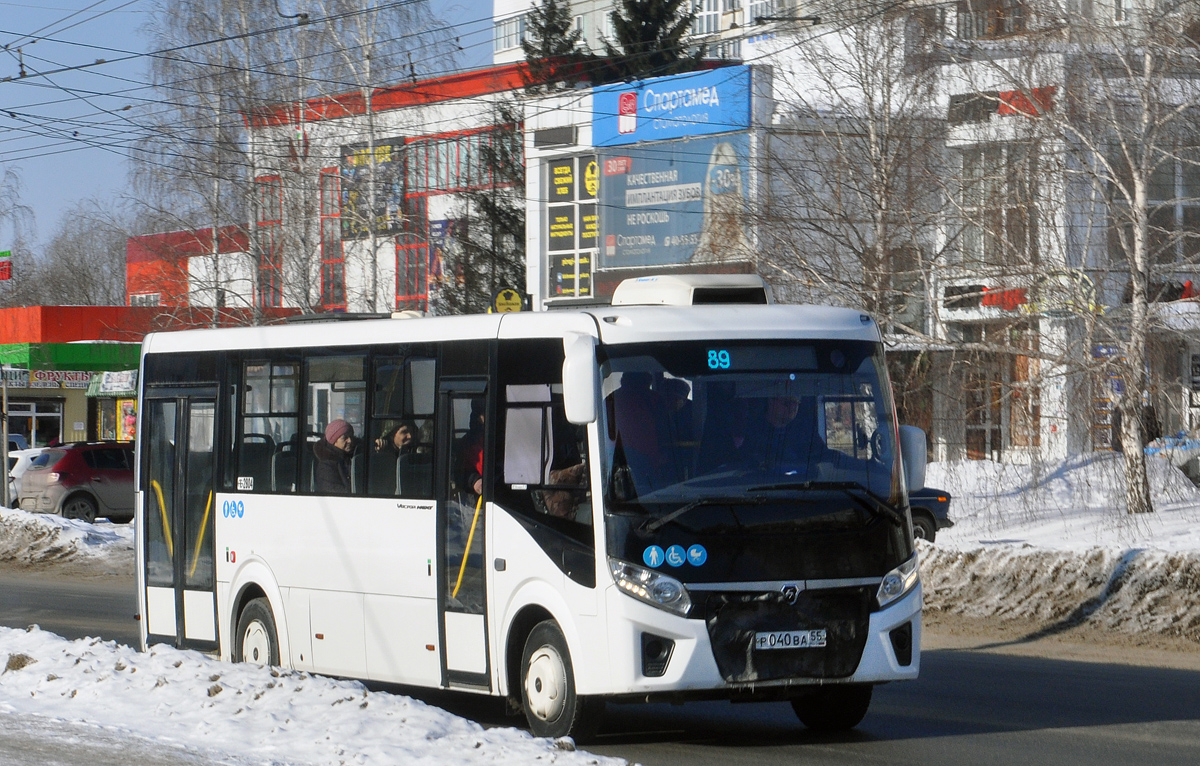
x: 897, y: 582
x: 652, y: 587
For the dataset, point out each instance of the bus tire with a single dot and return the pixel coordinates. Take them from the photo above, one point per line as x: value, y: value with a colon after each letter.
x: 256, y: 640
x: 552, y: 707
x: 833, y: 708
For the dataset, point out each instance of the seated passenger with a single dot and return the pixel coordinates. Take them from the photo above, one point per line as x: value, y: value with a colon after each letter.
x: 333, y: 459
x: 401, y: 440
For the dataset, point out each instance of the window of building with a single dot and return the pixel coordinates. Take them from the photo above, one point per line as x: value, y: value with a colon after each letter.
x: 999, y: 214
x: 509, y: 33
x: 333, y: 262
x: 708, y: 17
x: 412, y: 261
x: 1173, y: 194
x: 757, y: 9
x: 39, y: 421
x: 988, y: 19
x: 270, y: 241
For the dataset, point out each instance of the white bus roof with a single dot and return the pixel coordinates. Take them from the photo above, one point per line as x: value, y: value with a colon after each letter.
x: 612, y: 324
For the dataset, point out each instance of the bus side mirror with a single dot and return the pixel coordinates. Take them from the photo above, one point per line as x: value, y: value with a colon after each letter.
x: 580, y: 378
x: 912, y: 456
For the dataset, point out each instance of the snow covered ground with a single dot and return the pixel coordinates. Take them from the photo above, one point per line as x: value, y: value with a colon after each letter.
x: 243, y: 714
x: 213, y: 712
x: 1054, y: 546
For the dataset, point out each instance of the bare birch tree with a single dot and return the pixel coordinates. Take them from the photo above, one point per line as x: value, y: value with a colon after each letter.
x: 1119, y: 105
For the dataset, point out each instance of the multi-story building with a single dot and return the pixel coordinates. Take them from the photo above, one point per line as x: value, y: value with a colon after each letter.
x: 986, y: 250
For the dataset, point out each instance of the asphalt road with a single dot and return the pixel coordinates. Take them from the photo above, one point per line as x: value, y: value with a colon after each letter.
x: 969, y: 707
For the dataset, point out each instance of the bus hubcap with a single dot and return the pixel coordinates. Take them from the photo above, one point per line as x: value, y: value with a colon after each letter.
x: 256, y: 647
x: 546, y: 683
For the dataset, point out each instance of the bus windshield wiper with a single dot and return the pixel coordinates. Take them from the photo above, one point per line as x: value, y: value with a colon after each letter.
x: 867, y: 499
x: 657, y: 524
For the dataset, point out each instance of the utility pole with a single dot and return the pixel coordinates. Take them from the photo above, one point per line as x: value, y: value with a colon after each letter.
x: 4, y: 428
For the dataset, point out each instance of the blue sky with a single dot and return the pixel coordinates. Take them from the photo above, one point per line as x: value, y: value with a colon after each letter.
x: 59, y: 168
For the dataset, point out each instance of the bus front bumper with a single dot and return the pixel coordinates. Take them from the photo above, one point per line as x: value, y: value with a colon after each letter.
x: 691, y: 670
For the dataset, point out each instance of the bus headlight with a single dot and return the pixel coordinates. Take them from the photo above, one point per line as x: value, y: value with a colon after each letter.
x: 897, y: 582
x: 655, y: 588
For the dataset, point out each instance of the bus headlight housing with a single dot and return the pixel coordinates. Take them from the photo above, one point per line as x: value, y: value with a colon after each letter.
x: 898, y: 582
x: 655, y: 588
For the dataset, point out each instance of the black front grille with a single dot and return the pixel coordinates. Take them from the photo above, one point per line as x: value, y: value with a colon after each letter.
x: 734, y: 618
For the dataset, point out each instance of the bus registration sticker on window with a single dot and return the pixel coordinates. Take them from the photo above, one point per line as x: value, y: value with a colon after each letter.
x: 790, y: 639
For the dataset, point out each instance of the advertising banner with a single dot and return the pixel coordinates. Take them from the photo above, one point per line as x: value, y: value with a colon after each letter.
x: 675, y: 202
x: 388, y: 214
x: 573, y: 225
x: 692, y: 104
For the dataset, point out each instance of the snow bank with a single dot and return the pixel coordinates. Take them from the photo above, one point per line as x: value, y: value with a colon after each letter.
x: 1132, y: 591
x: 35, y: 538
x: 1053, y: 545
x: 244, y: 712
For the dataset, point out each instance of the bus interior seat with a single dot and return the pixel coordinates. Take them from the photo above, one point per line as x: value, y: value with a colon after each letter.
x: 255, y: 462
x: 382, y: 473
x: 283, y: 468
x: 414, y: 475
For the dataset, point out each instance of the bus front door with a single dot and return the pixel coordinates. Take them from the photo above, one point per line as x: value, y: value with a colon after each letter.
x: 461, y: 520
x: 178, y: 518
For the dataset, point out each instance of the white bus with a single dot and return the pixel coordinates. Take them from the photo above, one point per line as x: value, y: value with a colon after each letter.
x: 622, y: 503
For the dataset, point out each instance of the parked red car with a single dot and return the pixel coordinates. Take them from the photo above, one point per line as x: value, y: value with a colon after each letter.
x: 81, y: 481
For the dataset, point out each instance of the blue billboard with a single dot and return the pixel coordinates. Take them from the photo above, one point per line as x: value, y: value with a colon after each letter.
x: 675, y: 202
x: 692, y: 104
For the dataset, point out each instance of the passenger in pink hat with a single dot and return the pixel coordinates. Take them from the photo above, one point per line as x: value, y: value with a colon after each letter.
x: 333, y: 459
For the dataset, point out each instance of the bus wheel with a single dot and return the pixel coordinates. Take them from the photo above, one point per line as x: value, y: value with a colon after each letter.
x: 833, y: 708
x: 256, y: 640
x: 548, y: 688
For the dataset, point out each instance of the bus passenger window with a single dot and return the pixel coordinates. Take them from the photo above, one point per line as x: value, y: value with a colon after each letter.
x: 269, y: 422
x: 337, y: 403
x: 544, y: 456
x: 400, y: 459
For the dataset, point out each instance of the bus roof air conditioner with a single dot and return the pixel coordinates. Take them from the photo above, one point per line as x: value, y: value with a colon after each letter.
x: 692, y: 290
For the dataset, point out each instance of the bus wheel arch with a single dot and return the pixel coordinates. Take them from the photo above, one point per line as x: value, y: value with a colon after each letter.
x: 518, y: 632
x: 553, y: 708
x: 251, y: 583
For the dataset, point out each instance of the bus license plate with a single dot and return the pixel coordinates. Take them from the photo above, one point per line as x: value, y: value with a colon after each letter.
x: 790, y: 639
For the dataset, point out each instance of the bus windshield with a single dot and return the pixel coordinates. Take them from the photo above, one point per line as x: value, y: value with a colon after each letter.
x: 689, y: 421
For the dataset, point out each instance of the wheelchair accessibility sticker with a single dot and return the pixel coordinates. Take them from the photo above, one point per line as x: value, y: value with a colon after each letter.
x: 233, y: 509
x: 675, y: 556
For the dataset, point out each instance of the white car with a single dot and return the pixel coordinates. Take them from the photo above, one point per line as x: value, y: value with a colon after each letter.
x: 18, y: 463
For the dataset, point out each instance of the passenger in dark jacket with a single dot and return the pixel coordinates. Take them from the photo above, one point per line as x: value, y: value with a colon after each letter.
x: 333, y: 459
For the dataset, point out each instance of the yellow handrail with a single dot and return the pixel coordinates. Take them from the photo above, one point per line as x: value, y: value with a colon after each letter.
x: 162, y: 507
x: 200, y: 539
x: 467, y: 551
